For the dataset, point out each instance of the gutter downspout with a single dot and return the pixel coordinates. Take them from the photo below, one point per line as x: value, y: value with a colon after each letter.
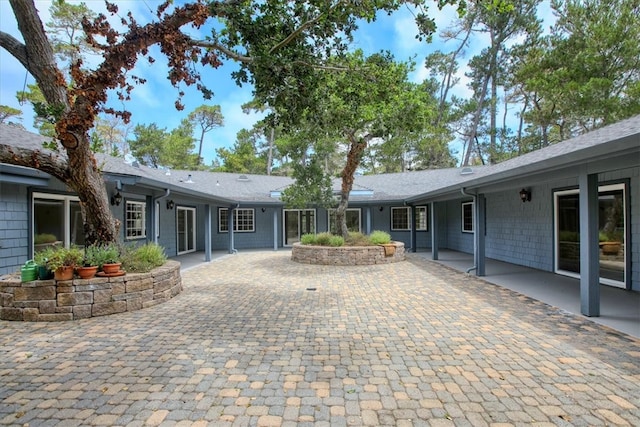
x: 475, y: 248
x: 155, y: 201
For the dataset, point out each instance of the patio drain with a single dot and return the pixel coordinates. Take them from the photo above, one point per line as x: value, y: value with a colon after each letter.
x: 311, y: 289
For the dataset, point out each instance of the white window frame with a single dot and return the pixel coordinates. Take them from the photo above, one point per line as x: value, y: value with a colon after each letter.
x: 331, y: 218
x: 66, y: 239
x: 135, y: 228
x: 425, y: 215
x: 473, y: 217
x: 408, y: 215
x: 236, y: 215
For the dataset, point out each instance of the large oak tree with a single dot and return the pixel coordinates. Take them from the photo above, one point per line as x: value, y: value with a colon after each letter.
x: 277, y: 44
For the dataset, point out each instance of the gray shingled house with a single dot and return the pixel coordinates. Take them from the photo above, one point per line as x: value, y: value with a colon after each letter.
x: 554, y: 209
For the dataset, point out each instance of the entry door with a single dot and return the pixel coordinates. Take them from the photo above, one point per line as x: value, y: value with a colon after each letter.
x: 297, y: 223
x: 612, y: 227
x: 186, y: 230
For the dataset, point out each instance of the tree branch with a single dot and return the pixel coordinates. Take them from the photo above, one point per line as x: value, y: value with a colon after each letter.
x: 17, y: 49
x: 48, y: 162
x: 217, y: 46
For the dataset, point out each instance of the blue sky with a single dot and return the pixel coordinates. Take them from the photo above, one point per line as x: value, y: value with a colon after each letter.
x: 154, y: 101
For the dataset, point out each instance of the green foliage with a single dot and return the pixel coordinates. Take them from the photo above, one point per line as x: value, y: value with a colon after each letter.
x: 42, y: 256
x: 6, y: 112
x: 356, y: 238
x: 378, y: 237
x: 142, y: 259
x: 336, y: 241
x: 61, y: 256
x: 102, y: 254
x: 243, y: 157
x: 323, y: 239
x: 44, y: 238
x: 308, y: 239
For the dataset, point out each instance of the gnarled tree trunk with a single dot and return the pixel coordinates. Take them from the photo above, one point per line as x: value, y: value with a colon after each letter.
x: 357, y: 146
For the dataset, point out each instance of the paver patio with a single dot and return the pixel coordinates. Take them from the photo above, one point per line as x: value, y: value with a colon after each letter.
x: 256, y: 339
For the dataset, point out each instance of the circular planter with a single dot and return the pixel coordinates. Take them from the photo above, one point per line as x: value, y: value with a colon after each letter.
x: 348, y: 255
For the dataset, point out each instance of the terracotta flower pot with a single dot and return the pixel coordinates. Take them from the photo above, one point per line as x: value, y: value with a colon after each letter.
x: 87, y: 272
x: 63, y: 273
x: 111, y: 268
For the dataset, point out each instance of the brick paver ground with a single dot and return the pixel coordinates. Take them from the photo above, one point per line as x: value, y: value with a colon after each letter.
x: 258, y: 340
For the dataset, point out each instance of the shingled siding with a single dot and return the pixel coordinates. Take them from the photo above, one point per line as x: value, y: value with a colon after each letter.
x: 521, y: 233
x: 455, y: 238
x: 14, y: 227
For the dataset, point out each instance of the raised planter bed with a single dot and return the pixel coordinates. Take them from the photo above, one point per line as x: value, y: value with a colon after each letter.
x: 53, y: 301
x: 347, y: 255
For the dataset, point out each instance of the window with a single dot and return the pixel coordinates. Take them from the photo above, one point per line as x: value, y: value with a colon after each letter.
x: 353, y: 220
x: 243, y: 220
x: 135, y: 220
x: 401, y: 218
x: 57, y: 220
x: 467, y: 217
x: 422, y: 218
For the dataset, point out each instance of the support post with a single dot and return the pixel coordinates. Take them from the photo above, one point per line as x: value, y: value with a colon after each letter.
x: 589, y: 250
x: 413, y: 229
x: 275, y: 229
x: 207, y: 233
x: 230, y: 215
x: 434, y: 232
x: 479, y: 234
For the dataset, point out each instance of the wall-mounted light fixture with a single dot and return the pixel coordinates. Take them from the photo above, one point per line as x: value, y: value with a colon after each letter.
x: 381, y: 208
x: 525, y: 195
x: 170, y: 204
x: 264, y: 209
x: 116, y: 199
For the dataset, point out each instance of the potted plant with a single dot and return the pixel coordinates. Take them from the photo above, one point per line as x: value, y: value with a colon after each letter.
x: 63, y: 262
x: 41, y: 258
x: 89, y: 266
x: 107, y: 258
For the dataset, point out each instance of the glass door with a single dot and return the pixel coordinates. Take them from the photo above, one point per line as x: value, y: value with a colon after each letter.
x: 296, y: 223
x: 612, y: 233
x: 186, y: 229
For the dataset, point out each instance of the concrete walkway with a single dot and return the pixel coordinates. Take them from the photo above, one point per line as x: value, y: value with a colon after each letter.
x: 257, y: 340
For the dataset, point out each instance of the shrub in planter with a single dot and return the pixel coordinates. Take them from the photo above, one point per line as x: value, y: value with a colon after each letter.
x: 323, y: 239
x: 143, y: 258
x: 357, y: 239
x: 41, y: 257
x: 308, y: 239
x: 336, y: 241
x: 104, y: 254
x: 378, y: 237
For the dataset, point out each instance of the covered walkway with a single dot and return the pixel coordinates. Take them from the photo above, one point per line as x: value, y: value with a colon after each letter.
x: 619, y: 309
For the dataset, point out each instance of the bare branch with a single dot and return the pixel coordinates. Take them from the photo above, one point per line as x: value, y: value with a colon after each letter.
x: 220, y: 48
x: 17, y: 49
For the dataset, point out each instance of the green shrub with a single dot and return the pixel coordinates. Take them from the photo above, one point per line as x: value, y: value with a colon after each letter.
x: 336, y: 241
x: 61, y: 256
x: 42, y: 256
x: 41, y: 238
x: 143, y: 259
x: 102, y: 254
x: 308, y: 239
x: 378, y: 237
x: 323, y: 239
x: 357, y: 239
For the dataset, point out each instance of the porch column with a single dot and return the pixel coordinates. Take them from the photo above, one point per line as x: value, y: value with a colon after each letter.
x: 368, y: 220
x: 589, y: 250
x: 207, y: 233
x: 275, y: 229
x: 479, y: 234
x: 434, y: 232
x: 413, y: 229
x: 230, y: 215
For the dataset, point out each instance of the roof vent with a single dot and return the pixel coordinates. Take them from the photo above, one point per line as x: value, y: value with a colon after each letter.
x: 466, y: 171
x: 243, y: 178
x: 189, y: 180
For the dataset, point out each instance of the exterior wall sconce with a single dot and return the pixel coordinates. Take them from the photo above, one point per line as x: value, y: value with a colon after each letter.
x: 525, y: 195
x: 116, y: 199
x: 381, y: 208
x: 170, y: 204
x: 263, y: 209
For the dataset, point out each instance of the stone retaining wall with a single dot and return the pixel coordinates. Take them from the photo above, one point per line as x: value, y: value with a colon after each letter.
x: 53, y: 301
x: 347, y: 255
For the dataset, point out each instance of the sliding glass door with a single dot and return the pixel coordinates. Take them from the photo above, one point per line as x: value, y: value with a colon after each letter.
x: 612, y: 225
